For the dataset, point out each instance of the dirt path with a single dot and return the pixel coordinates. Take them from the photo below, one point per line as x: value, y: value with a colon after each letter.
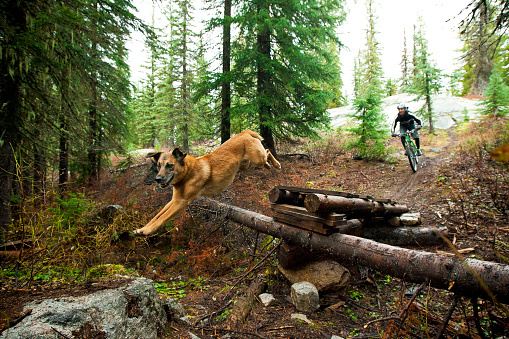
x: 409, y: 188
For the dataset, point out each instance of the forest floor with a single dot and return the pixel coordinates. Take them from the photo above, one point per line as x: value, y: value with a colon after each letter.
x: 200, y: 260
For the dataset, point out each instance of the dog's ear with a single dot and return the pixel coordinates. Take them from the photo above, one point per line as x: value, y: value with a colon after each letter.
x: 154, y: 155
x: 179, y: 155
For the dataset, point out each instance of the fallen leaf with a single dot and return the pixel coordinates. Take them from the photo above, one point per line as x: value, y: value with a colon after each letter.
x: 501, y: 153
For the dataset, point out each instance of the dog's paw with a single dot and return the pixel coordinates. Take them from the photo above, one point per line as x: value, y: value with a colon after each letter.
x: 139, y: 232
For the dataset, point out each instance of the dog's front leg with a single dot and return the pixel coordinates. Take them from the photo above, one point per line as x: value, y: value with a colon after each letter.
x: 169, y: 211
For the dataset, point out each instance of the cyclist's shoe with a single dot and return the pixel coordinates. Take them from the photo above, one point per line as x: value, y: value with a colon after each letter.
x: 419, y: 152
x: 406, y: 152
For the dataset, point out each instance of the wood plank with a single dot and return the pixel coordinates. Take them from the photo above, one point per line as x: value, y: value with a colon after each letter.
x: 325, y: 223
x: 303, y: 190
x: 305, y: 224
x: 325, y: 218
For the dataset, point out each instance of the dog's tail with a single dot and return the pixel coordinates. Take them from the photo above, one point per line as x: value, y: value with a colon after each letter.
x: 254, y: 134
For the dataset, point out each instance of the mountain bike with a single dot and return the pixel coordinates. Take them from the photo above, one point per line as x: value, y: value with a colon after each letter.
x: 411, y: 149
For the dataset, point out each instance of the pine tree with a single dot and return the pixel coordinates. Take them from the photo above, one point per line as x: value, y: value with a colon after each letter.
x: 368, y: 102
x: 54, y: 57
x: 282, y: 50
x: 496, y: 102
x: 405, y: 64
x: 479, y: 48
x: 425, y: 80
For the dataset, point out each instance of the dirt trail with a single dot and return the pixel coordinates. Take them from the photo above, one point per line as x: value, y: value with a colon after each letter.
x: 406, y: 187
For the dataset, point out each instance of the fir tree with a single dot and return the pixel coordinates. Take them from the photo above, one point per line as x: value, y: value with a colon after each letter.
x: 425, y: 80
x: 496, y: 102
x: 368, y: 103
x: 281, y: 54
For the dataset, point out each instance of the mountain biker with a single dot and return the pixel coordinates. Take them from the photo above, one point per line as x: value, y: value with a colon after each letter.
x: 407, y: 123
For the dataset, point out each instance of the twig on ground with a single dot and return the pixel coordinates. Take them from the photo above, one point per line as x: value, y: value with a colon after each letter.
x: 402, y: 315
x: 213, y: 329
x: 448, y: 317
x: 252, y: 269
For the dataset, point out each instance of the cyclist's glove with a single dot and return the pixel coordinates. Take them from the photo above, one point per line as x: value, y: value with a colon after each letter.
x: 418, y: 127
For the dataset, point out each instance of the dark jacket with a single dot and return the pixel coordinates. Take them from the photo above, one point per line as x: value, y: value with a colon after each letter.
x: 407, y: 120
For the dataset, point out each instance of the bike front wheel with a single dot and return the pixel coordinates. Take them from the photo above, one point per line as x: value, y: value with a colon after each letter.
x: 412, y: 157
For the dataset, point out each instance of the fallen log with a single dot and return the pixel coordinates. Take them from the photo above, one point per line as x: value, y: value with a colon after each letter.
x: 413, y: 266
x: 406, y: 236
x: 320, y: 203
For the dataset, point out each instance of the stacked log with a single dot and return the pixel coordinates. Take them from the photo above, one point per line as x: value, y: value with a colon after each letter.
x: 329, y: 212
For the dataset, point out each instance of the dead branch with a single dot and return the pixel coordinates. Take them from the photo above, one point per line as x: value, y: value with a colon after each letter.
x: 243, y: 306
x: 448, y: 317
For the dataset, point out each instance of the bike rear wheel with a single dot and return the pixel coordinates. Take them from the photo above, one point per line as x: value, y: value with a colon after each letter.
x: 412, y: 156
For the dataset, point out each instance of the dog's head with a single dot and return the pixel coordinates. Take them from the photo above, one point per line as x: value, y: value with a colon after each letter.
x: 170, y: 166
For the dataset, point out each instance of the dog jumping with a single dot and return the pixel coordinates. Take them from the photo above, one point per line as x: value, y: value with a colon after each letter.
x: 204, y: 176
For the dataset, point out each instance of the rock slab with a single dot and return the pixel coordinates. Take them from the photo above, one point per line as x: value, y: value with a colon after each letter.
x: 326, y: 275
x: 130, y: 311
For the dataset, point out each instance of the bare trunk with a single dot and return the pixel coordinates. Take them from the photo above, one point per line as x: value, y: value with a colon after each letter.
x: 320, y: 203
x: 226, y: 87
x: 459, y: 276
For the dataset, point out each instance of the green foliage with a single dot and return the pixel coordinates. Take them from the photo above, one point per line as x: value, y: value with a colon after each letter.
x: 282, y: 86
x: 177, y: 289
x: 72, y: 210
x: 391, y: 88
x: 426, y: 77
x: 496, y: 102
x: 369, y: 129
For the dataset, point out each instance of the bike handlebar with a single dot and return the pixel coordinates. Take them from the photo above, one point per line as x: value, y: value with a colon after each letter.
x: 406, y: 133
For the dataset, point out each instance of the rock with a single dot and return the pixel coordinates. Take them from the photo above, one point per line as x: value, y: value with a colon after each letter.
x: 301, y: 317
x: 108, y: 213
x: 394, y: 221
x: 336, y: 337
x: 193, y: 336
x: 326, y: 275
x: 410, y: 219
x: 130, y: 311
x: 267, y: 299
x: 174, y: 310
x: 305, y: 297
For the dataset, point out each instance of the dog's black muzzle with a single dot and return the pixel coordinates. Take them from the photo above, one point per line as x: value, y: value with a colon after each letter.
x: 164, y: 180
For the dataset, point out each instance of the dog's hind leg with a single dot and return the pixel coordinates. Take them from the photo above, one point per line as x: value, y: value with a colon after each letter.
x: 272, y: 161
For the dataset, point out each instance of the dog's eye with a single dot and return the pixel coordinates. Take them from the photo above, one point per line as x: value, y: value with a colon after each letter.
x: 169, y: 166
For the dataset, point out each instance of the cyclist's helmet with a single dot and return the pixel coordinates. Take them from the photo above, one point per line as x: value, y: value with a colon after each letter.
x: 402, y: 106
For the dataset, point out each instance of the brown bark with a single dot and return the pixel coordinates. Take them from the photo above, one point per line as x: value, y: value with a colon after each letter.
x: 406, y: 236
x: 320, y: 203
x: 243, y: 306
x: 459, y: 276
x: 281, y: 196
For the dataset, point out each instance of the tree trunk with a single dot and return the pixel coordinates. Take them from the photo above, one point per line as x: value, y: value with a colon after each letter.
x: 11, y: 112
x: 483, y: 54
x: 263, y: 87
x: 320, y: 203
x: 459, y: 276
x: 226, y: 87
x: 405, y: 236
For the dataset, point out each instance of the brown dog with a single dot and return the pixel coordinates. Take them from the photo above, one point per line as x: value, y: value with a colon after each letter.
x: 207, y: 175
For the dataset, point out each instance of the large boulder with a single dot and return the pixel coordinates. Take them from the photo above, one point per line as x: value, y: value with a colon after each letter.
x: 131, y: 311
x: 326, y: 275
